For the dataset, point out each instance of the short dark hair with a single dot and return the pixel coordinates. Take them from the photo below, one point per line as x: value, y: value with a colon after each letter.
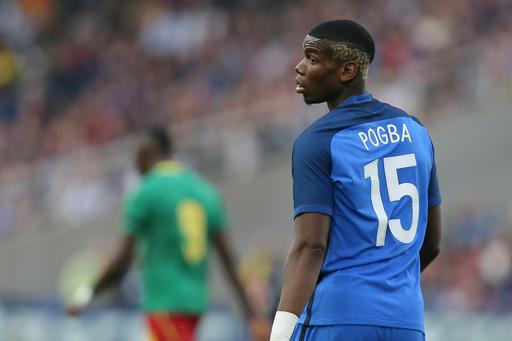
x: 346, y: 31
x: 160, y: 137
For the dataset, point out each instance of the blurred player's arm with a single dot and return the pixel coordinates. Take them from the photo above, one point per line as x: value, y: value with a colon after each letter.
x: 431, y: 244
x: 224, y: 250
x: 259, y: 325
x: 136, y: 206
x: 111, y: 275
x: 118, y: 266
x: 301, y: 270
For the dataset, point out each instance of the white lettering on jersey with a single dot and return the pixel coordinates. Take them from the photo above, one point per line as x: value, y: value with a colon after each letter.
x: 405, y: 133
x: 383, y: 135
x: 364, y: 139
x: 373, y: 137
x: 393, y: 135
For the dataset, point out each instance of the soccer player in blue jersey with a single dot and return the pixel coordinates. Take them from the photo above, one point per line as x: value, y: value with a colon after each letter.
x: 366, y: 204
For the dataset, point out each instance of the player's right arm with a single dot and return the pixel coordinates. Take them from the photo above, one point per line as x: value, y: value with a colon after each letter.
x: 431, y: 244
x: 136, y: 207
x: 313, y: 206
x: 111, y: 276
x: 118, y: 266
x: 304, y: 261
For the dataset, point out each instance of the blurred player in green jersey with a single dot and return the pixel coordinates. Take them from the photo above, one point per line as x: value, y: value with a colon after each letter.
x: 170, y: 222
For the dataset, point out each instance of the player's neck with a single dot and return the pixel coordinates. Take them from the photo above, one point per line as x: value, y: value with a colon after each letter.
x: 159, y: 161
x: 153, y: 163
x: 358, y: 88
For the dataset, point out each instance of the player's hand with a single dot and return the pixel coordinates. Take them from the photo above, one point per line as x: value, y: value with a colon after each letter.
x: 75, y: 310
x: 260, y: 328
x: 79, y: 301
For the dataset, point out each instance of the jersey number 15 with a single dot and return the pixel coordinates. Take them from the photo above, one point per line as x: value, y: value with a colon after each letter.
x: 396, y: 191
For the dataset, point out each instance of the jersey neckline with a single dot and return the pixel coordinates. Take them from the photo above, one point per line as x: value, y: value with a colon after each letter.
x: 357, y: 99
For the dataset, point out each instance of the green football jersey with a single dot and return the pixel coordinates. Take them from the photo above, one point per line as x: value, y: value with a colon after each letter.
x: 173, y: 216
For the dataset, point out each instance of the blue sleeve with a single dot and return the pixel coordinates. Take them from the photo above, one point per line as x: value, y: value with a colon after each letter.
x: 434, y: 194
x: 313, y: 189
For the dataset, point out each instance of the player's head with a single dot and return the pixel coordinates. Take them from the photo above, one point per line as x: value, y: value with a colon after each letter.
x: 337, y: 54
x: 154, y: 146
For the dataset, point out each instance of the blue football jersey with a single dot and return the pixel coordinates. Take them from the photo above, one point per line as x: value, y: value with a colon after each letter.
x: 371, y: 168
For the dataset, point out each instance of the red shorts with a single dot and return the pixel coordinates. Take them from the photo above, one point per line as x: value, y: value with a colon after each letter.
x: 171, y: 327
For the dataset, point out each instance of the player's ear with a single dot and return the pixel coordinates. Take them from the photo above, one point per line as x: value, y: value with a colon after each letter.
x: 348, y: 71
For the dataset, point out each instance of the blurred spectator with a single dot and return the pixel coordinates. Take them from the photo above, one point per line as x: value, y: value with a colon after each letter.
x: 474, y: 273
x: 116, y: 65
x: 9, y: 76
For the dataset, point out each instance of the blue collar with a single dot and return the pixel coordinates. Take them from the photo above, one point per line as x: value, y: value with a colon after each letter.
x: 365, y: 97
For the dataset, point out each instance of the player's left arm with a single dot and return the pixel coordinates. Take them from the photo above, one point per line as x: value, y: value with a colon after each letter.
x: 118, y: 265
x: 304, y: 261
x: 301, y: 270
x: 111, y: 276
x: 225, y: 253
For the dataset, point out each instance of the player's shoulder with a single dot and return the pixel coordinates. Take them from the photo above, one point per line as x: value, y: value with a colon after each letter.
x: 390, y: 109
x: 130, y: 194
x: 347, y: 115
x: 380, y: 105
x: 149, y: 182
x: 137, y: 193
x: 314, y: 144
x: 152, y: 184
x: 202, y: 185
x: 395, y: 112
x: 312, y: 139
x: 321, y: 131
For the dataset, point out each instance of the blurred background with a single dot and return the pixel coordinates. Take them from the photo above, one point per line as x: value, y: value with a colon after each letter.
x: 79, y: 77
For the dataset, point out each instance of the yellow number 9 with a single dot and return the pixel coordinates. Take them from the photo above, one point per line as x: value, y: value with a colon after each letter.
x: 192, y: 225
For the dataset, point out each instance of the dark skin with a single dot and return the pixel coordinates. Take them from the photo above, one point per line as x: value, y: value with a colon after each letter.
x: 322, y: 78
x: 148, y: 154
x: 304, y: 261
x: 431, y: 244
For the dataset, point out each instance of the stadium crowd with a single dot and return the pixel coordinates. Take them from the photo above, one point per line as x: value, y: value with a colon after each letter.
x: 474, y: 270
x: 81, y: 73
x: 76, y: 73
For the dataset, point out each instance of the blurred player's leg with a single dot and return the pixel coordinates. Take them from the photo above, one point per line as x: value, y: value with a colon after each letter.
x: 166, y: 327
